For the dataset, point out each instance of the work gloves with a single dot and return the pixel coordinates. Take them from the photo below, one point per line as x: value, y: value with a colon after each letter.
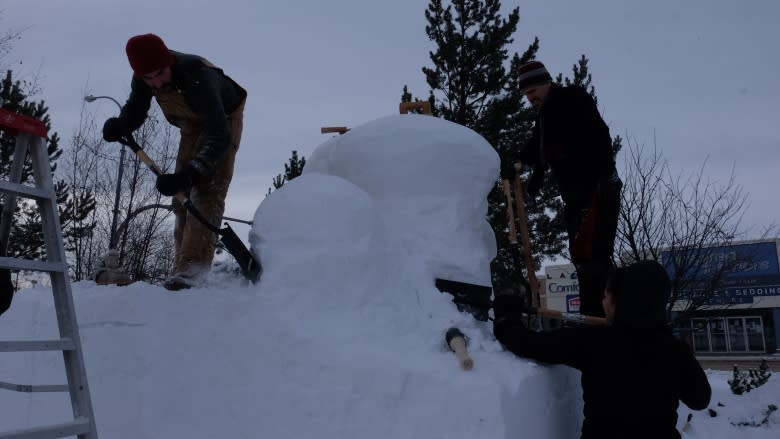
x: 114, y: 129
x: 182, y: 181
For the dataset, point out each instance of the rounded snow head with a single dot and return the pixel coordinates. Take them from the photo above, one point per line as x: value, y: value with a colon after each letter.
x: 320, y: 233
x: 430, y: 178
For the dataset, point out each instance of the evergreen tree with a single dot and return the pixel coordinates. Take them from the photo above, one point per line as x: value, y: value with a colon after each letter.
x: 292, y: 169
x: 468, y: 73
x: 74, y: 205
x: 470, y: 85
x: 295, y: 166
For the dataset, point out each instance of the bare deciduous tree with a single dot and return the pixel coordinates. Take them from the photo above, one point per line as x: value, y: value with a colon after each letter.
x: 144, y: 233
x: 681, y: 220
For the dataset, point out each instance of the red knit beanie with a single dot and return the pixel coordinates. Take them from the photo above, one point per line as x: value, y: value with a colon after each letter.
x: 148, y: 53
x: 532, y: 73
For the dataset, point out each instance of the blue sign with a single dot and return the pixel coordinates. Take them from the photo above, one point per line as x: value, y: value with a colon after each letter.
x: 745, y: 271
x: 745, y: 290
x: 740, y: 260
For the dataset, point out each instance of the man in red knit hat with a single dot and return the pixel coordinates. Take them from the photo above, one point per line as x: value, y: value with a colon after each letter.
x: 571, y: 139
x: 207, y: 106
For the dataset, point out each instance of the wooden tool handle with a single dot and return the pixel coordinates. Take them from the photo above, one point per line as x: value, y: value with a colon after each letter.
x: 458, y: 345
x: 340, y: 130
x: 422, y: 106
x: 571, y: 317
x: 527, y: 255
x: 510, y: 212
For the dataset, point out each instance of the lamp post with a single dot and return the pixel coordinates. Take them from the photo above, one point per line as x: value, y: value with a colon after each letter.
x: 112, y: 244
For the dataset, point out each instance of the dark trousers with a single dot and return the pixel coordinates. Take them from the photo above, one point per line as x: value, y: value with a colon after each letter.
x: 591, y: 244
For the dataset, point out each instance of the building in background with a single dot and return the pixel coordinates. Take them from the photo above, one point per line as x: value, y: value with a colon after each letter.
x: 743, y: 314
x: 742, y: 317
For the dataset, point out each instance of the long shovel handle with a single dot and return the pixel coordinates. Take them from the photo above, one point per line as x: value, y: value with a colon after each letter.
x: 510, y: 212
x: 250, y: 266
x: 130, y: 142
x: 529, y: 262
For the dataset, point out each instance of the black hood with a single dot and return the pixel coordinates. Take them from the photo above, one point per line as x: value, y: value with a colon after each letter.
x: 641, y: 292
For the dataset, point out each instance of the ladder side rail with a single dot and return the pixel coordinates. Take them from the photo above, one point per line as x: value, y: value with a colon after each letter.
x: 63, y: 296
x: 17, y: 166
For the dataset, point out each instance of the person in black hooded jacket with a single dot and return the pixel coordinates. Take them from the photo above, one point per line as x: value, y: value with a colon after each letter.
x: 634, y: 371
x: 571, y: 139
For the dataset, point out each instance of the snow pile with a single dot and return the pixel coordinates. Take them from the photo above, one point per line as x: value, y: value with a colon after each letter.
x: 429, y: 179
x: 343, y: 337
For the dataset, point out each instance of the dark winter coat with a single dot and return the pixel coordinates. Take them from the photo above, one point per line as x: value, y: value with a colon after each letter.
x: 572, y: 139
x: 634, y: 372
x: 208, y: 93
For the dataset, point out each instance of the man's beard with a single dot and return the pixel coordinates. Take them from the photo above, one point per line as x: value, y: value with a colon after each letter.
x: 165, y: 88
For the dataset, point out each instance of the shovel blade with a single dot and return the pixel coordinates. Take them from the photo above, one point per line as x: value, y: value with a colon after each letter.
x: 250, y: 266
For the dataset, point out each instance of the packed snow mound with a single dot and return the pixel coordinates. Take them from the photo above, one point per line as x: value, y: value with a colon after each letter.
x: 429, y: 179
x: 319, y: 231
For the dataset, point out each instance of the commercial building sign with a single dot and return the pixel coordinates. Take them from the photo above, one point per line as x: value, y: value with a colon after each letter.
x: 742, y: 271
x: 561, y: 279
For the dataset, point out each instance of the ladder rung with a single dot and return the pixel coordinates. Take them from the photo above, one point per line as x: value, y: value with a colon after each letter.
x: 30, y: 388
x: 33, y: 265
x: 64, y: 344
x: 25, y: 191
x: 77, y: 426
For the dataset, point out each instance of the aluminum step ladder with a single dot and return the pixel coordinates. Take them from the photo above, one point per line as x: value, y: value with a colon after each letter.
x: 30, y: 134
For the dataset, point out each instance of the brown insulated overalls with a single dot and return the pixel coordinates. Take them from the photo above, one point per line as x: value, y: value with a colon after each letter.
x: 194, y: 243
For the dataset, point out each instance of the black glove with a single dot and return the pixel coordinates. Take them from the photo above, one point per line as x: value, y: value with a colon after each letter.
x: 182, y: 181
x: 508, y: 308
x: 114, y: 129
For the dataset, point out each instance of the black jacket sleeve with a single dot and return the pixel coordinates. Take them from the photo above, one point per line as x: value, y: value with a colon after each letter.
x: 695, y: 388
x: 136, y: 108
x: 594, y: 130
x: 567, y: 346
x: 529, y: 157
x: 205, y: 99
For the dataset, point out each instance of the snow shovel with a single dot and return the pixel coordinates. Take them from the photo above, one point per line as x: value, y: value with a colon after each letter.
x: 250, y: 267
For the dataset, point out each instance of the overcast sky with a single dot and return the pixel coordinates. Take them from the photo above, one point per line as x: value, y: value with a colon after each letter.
x: 698, y: 75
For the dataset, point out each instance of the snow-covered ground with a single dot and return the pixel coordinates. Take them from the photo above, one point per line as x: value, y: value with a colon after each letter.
x: 344, y: 335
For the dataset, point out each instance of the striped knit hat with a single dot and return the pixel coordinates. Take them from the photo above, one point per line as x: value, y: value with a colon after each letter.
x: 532, y: 73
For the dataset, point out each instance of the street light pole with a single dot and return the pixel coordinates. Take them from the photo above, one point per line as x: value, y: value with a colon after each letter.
x: 112, y: 242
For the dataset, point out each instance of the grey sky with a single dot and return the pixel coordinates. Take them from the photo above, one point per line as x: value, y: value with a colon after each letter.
x: 700, y: 74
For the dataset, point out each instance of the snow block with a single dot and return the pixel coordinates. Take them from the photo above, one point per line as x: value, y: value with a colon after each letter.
x: 430, y: 179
